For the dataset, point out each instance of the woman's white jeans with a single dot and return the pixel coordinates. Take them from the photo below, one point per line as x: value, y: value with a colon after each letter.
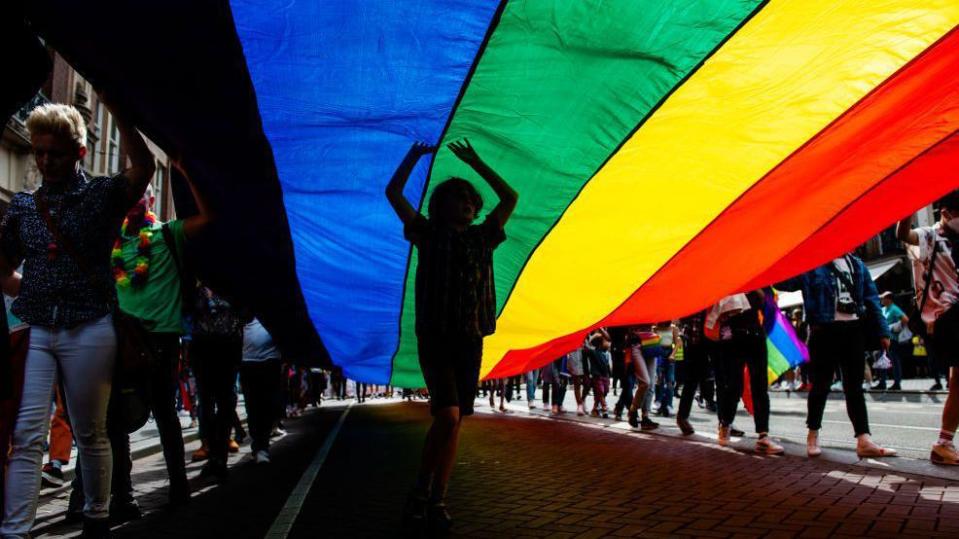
x: 85, y: 356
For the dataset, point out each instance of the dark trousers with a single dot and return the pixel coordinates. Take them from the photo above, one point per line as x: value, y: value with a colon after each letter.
x: 839, y: 344
x: 625, y: 394
x: 163, y: 389
x: 261, y: 392
x: 741, y: 351
x: 695, y: 372
x: 215, y: 362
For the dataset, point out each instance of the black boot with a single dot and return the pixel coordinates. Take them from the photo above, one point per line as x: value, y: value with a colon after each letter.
x: 124, y: 509
x: 440, y: 521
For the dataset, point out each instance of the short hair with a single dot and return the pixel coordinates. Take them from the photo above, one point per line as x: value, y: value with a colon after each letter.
x: 950, y: 202
x: 60, y: 120
x: 447, y: 187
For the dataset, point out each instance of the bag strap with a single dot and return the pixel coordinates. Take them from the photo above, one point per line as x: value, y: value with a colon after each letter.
x: 851, y: 285
x: 928, y: 276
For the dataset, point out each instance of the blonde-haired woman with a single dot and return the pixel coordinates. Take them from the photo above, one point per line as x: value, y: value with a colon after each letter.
x: 63, y: 234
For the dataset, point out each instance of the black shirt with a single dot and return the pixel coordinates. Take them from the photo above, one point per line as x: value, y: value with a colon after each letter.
x: 455, y: 292
x: 54, y: 291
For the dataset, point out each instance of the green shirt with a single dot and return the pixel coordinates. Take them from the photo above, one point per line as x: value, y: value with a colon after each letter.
x: 158, y: 302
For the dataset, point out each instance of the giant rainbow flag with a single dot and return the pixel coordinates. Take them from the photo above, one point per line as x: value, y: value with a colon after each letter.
x: 667, y: 152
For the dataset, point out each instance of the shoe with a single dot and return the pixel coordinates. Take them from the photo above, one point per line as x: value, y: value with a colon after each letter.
x: 52, y: 475
x: 812, y: 444
x: 414, y: 515
x: 179, y: 494
x: 895, y: 387
x: 723, y: 435
x: 216, y: 470
x: 605, y: 414
x: 124, y: 510
x: 554, y: 409
x: 440, y: 521
x: 532, y: 405
x: 633, y: 419
x: 276, y: 432
x: 685, y: 426
x: 804, y: 387
x: 240, y: 436
x: 580, y: 410
x: 666, y: 412
x: 936, y: 387
x: 502, y: 409
x: 711, y: 406
x: 594, y: 413
x: 838, y: 387
x: 95, y: 528
x: 881, y: 386
x: 766, y: 446
x: 233, y: 446
x: 733, y: 431
x: 648, y: 424
x: 617, y: 417
x: 699, y: 400
x: 262, y: 457
x: 200, y: 454
x: 874, y: 452
x: 944, y: 454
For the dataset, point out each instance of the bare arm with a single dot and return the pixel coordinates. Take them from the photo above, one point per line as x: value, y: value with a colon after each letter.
x: 394, y: 190
x: 905, y: 233
x: 192, y: 226
x: 507, y: 195
x: 143, y: 164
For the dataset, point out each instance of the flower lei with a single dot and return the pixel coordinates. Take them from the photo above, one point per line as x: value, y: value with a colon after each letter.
x: 141, y: 270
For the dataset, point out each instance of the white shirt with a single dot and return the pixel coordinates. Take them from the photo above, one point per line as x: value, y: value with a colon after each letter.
x: 844, y: 295
x: 944, y: 291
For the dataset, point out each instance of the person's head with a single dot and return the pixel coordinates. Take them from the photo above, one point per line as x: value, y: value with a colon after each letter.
x: 58, y: 135
x: 949, y: 210
x: 145, y: 204
x: 455, y: 202
x: 886, y: 298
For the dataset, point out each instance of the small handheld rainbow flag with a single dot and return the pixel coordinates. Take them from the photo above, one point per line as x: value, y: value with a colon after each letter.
x: 785, y: 350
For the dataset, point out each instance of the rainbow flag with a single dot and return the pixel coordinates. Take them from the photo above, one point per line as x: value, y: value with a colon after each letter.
x: 785, y: 350
x: 713, y: 146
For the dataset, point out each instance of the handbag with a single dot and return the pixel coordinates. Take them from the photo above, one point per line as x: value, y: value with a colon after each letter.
x: 129, y: 408
x: 916, y: 324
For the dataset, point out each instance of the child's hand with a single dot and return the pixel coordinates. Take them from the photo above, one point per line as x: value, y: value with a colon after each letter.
x: 464, y: 150
x: 421, y: 148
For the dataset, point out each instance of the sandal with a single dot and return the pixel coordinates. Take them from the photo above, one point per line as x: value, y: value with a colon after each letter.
x: 875, y: 452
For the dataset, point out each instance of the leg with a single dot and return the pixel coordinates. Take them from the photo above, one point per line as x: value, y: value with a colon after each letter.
x: 730, y: 370
x: 648, y: 399
x: 758, y: 364
x: 695, y: 373
x: 851, y: 363
x: 87, y: 355
x: 163, y: 385
x: 22, y: 479
x: 641, y: 387
x: 821, y: 366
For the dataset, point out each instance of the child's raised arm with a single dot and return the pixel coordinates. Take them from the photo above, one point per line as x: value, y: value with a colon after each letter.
x: 394, y: 191
x: 507, y: 196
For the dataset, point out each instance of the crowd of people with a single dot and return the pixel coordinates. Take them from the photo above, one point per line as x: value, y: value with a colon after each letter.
x: 109, y: 326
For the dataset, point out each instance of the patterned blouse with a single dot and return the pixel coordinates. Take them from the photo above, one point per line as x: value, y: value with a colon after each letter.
x: 455, y: 292
x: 54, y: 291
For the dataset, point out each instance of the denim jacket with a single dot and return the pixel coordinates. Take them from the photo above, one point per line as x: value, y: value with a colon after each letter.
x: 819, y: 293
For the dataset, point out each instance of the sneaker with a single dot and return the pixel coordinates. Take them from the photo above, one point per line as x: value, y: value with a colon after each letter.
x: 812, y: 444
x: 766, y: 446
x: 895, y: 387
x: 414, y: 514
x: 51, y: 475
x: 881, y: 386
x: 216, y: 470
x: 685, y: 426
x: 124, y: 511
x: 648, y: 424
x: 711, y: 406
x: 633, y: 419
x: 200, y: 454
x: 936, y: 387
x: 944, y: 454
x: 723, y: 435
x: 733, y: 431
x: 262, y: 457
x: 532, y: 405
x: 233, y: 447
x: 276, y: 432
x: 605, y: 414
x: 699, y: 400
x: 838, y: 387
x: 440, y: 521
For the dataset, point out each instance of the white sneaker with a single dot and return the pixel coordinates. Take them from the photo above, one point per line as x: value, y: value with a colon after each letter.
x: 532, y: 405
x: 766, y: 446
x: 812, y: 444
x: 723, y: 437
x: 262, y: 457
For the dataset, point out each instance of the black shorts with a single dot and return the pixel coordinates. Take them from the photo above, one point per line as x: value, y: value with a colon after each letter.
x: 945, y: 339
x: 451, y: 368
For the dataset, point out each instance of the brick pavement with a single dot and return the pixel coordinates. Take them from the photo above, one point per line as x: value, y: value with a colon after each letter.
x: 520, y: 476
x: 531, y: 477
